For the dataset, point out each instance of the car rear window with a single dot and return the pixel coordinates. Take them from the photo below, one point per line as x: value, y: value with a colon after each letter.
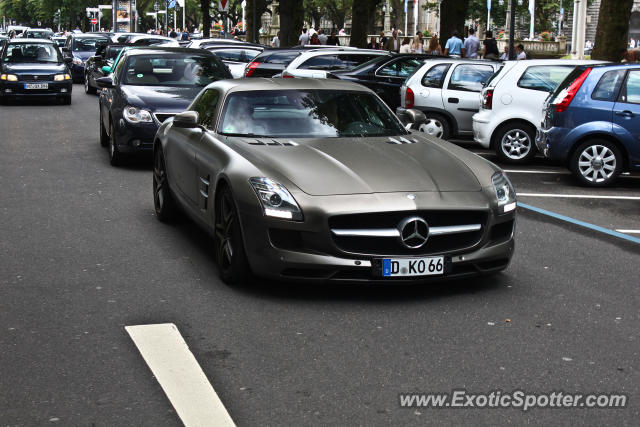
x: 278, y: 57
x: 609, y: 85
x: 569, y: 79
x: 320, y: 62
x: 545, y: 78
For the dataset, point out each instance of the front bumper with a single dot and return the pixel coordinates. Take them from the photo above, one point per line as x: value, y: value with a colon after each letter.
x: 135, y: 137
x: 18, y: 89
x: 308, y: 251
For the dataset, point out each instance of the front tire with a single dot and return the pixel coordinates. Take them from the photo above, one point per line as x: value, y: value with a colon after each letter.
x: 163, y: 201
x: 596, y: 163
x: 436, y: 126
x: 515, y: 143
x: 230, y: 252
x: 115, y: 157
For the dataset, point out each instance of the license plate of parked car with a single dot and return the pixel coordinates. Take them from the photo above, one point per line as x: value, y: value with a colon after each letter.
x: 406, y: 267
x: 36, y: 85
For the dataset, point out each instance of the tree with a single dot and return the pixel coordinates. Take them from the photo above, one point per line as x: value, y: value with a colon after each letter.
x: 261, y: 6
x: 206, y: 18
x: 291, y: 21
x: 361, y: 13
x: 338, y: 11
x: 452, y: 16
x: 613, y: 29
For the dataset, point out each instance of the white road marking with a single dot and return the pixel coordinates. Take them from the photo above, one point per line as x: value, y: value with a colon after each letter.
x: 629, y: 231
x: 179, y: 375
x: 578, y: 196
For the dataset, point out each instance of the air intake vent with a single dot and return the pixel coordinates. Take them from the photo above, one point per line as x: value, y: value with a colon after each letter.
x: 271, y: 142
x: 400, y: 140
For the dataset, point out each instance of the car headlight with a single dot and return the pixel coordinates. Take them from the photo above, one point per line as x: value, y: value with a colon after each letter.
x: 276, y: 199
x: 136, y: 115
x: 77, y: 61
x: 9, y: 77
x: 504, y: 192
x: 61, y: 77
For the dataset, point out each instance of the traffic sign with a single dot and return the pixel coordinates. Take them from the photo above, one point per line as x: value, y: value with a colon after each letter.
x: 223, y: 5
x: 94, y: 21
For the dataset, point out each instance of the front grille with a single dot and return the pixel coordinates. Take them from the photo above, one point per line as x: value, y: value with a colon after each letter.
x: 441, y: 244
x: 36, y: 78
x: 162, y: 117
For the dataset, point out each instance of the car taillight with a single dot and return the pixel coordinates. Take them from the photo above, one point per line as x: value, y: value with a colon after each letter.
x: 409, y: 99
x: 251, y: 68
x: 487, y: 99
x: 564, y: 98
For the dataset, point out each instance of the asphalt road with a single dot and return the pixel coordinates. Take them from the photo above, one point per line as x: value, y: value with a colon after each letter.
x: 82, y: 256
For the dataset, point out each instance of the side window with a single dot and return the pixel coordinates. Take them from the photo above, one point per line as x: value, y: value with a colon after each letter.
x: 608, y: 86
x: 435, y: 76
x: 206, y: 105
x: 470, y: 77
x: 347, y: 61
x: 322, y: 62
x: 631, y: 91
x: 389, y: 70
x: 118, y: 72
x: 544, y: 78
x: 406, y: 67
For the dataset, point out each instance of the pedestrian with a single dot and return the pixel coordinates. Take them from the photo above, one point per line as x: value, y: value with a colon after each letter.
x: 505, y: 54
x: 373, y: 44
x: 173, y: 33
x: 416, y: 45
x: 489, y: 46
x: 393, y: 43
x: 434, y: 46
x: 185, y: 35
x: 383, y: 40
x: 471, y: 45
x: 314, y: 40
x: 322, y: 36
x: 304, y: 38
x: 521, y: 54
x: 454, y: 46
x: 333, y: 40
x: 406, y: 46
x: 275, y: 42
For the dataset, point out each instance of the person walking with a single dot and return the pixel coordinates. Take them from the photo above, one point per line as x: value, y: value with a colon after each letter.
x: 373, y: 44
x: 322, y: 36
x: 383, y: 40
x: 406, y: 46
x: 275, y: 42
x: 489, y: 46
x: 314, y: 40
x: 505, y: 54
x: 434, y: 46
x: 304, y: 38
x: 333, y: 39
x: 393, y: 43
x: 471, y: 45
x: 454, y: 46
x: 416, y: 45
x: 521, y: 54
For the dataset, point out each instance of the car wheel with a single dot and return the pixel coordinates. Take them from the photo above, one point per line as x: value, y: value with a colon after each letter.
x: 436, y: 125
x: 104, y: 138
x: 88, y: 89
x: 115, y: 156
x: 230, y: 253
x: 162, y: 199
x: 515, y: 143
x: 597, y: 163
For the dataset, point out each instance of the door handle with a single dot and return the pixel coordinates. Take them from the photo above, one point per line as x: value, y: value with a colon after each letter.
x: 453, y: 100
x: 625, y: 113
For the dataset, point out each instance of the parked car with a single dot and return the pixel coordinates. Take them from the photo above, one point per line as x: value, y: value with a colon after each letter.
x: 124, y: 37
x: 33, y: 68
x: 235, y: 57
x: 505, y: 123
x: 307, y: 179
x: 150, y: 40
x: 148, y: 86
x: 38, y: 33
x: 93, y: 69
x: 384, y: 75
x: 318, y: 62
x: 592, y: 123
x: 206, y: 43
x: 273, y: 61
x: 80, y: 47
x: 447, y: 91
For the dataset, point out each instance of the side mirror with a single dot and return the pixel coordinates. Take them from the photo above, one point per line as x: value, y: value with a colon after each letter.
x: 106, y: 69
x: 410, y: 116
x: 104, y: 82
x: 186, y: 119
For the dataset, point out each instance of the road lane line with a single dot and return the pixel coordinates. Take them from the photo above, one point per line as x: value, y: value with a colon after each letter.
x: 577, y: 196
x: 580, y: 223
x: 629, y: 231
x: 179, y: 375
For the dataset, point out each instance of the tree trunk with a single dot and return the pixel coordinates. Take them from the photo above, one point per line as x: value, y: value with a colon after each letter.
x: 361, y: 13
x: 452, y: 15
x: 291, y: 21
x: 613, y: 30
x: 206, y: 19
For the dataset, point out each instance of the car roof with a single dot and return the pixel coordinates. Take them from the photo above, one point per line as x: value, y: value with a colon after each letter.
x: 150, y: 36
x: 145, y: 50
x: 348, y: 51
x: 242, y: 85
x: 21, y: 40
x: 529, y: 62
x: 90, y: 36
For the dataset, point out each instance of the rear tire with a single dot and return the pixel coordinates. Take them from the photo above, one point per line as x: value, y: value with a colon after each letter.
x: 436, y: 126
x: 115, y: 157
x: 230, y: 252
x: 596, y: 163
x: 104, y: 138
x: 515, y: 143
x: 163, y: 202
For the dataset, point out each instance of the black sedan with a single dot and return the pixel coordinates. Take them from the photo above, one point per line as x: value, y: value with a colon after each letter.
x: 149, y: 86
x: 104, y: 56
x: 384, y: 75
x: 33, y: 68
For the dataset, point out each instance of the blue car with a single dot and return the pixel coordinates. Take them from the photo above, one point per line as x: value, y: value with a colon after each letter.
x: 592, y: 123
x: 80, y: 47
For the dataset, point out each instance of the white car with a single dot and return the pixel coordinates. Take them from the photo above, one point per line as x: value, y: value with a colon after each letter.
x: 511, y: 107
x: 235, y: 57
x: 317, y: 63
x: 204, y: 43
x: 153, y: 40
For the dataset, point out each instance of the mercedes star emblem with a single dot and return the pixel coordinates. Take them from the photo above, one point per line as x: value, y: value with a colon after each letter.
x: 414, y: 232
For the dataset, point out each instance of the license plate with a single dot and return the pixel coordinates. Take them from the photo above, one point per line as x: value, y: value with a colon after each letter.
x: 407, y: 267
x: 36, y: 85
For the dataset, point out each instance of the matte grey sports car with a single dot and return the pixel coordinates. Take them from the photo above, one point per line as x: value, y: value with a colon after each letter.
x: 319, y: 180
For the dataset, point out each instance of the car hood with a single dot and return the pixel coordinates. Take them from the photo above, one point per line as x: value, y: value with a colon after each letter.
x: 333, y: 166
x: 34, y: 68
x: 161, y: 98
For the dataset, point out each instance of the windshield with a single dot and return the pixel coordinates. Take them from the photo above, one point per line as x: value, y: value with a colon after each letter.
x: 87, y: 44
x: 39, y: 34
x: 31, y: 52
x: 112, y: 52
x: 310, y: 114
x: 174, y: 70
